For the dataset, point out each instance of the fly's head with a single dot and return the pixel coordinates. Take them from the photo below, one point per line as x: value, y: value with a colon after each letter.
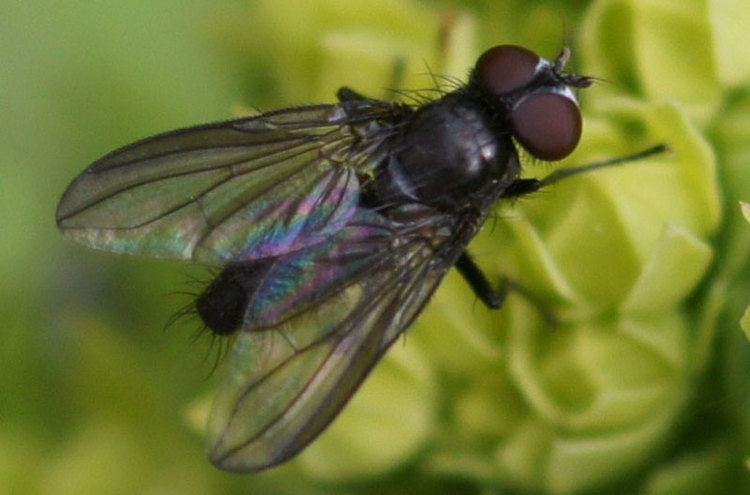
x: 535, y: 95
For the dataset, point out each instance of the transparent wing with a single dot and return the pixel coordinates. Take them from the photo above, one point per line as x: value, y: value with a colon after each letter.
x: 242, y: 189
x: 287, y: 383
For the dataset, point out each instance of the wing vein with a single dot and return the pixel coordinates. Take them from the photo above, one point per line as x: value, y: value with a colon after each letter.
x: 339, y: 336
x: 303, y: 138
x: 229, y: 166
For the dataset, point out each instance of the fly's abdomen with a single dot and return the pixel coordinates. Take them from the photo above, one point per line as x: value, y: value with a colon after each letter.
x: 223, y: 303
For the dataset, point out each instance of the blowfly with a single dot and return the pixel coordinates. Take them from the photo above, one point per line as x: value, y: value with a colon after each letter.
x: 333, y: 225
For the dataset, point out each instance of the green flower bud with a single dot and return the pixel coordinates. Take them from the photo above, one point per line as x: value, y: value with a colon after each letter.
x: 504, y: 398
x: 745, y: 321
x: 385, y: 425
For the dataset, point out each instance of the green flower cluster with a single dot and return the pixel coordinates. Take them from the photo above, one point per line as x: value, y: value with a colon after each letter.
x: 644, y: 267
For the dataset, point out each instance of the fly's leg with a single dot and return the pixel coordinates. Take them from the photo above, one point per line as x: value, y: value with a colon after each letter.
x: 494, y: 298
x: 477, y: 280
x: 521, y: 187
x: 345, y: 93
x: 398, y: 71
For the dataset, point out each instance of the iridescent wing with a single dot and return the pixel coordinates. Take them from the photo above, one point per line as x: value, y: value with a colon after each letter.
x: 236, y: 190
x: 288, y: 381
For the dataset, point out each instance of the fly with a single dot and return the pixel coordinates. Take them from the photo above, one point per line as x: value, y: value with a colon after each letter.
x: 334, y: 224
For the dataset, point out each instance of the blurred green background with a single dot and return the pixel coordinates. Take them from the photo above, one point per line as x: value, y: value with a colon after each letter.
x: 97, y: 397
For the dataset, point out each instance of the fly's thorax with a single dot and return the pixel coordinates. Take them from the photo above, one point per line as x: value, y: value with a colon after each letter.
x: 447, y: 152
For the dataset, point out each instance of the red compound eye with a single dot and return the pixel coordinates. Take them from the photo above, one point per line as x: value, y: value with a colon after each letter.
x: 548, y: 125
x: 505, y: 68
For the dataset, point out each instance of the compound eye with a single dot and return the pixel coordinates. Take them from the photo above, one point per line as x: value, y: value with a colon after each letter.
x: 548, y: 125
x: 505, y: 68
